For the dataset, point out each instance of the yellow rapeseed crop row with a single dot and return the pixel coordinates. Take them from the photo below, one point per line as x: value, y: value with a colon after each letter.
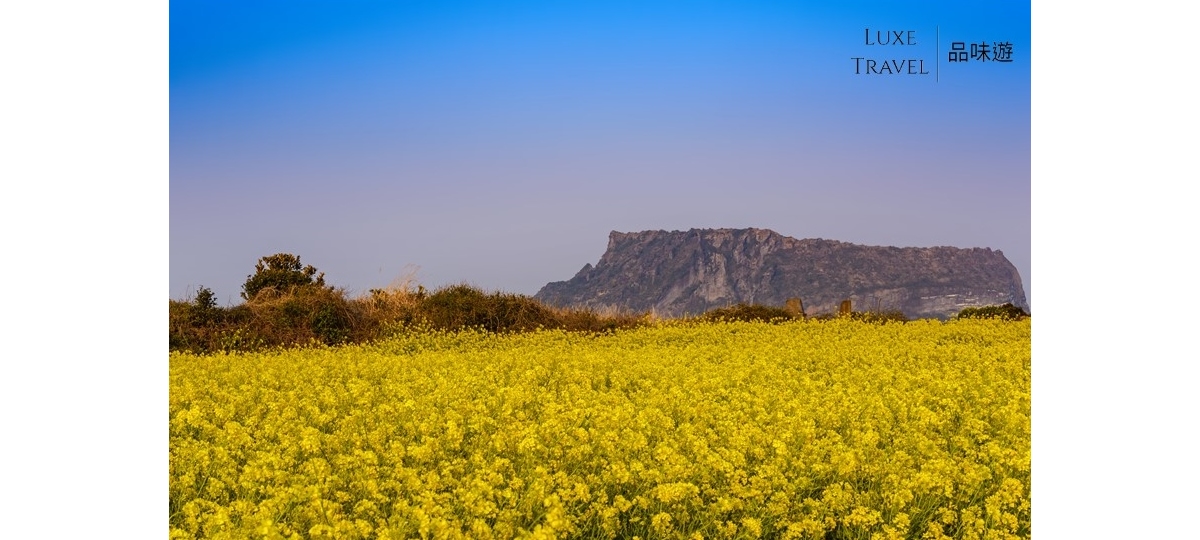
x: 809, y: 429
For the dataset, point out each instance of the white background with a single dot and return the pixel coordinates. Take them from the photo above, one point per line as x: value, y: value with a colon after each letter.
x: 84, y: 212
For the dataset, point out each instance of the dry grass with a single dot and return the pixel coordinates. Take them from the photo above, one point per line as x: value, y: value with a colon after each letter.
x: 325, y: 315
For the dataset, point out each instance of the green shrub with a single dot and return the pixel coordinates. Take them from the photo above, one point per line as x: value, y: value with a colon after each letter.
x: 205, y: 299
x: 463, y: 306
x: 455, y: 306
x: 332, y: 322
x: 304, y: 314
x: 585, y: 320
x: 879, y: 316
x: 192, y: 323
x: 748, y: 312
x: 871, y: 316
x: 518, y: 313
x: 1007, y: 312
x: 281, y: 272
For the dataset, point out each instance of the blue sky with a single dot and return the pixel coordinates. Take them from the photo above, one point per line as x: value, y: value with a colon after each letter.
x: 499, y: 144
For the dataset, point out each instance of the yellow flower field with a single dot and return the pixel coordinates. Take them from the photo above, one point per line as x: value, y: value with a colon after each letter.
x: 808, y: 429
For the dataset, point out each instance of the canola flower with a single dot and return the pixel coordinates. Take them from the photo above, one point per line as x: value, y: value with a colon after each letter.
x: 809, y: 429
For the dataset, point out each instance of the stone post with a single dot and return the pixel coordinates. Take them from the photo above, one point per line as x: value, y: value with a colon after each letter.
x: 795, y: 307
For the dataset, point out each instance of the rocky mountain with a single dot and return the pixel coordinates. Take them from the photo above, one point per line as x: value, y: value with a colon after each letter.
x: 679, y: 273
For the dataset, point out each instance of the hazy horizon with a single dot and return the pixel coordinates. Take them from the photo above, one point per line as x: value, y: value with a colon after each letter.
x: 499, y: 146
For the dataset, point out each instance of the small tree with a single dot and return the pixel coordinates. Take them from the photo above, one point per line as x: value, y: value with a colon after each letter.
x: 205, y: 299
x: 204, y: 308
x: 282, y: 272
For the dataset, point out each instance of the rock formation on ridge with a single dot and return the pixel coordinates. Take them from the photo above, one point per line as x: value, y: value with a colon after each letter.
x: 686, y: 273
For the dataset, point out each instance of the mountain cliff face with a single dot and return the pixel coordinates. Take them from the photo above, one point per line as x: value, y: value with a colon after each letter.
x: 686, y: 273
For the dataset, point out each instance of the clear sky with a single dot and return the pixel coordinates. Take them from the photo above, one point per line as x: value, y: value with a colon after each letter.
x: 498, y: 143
